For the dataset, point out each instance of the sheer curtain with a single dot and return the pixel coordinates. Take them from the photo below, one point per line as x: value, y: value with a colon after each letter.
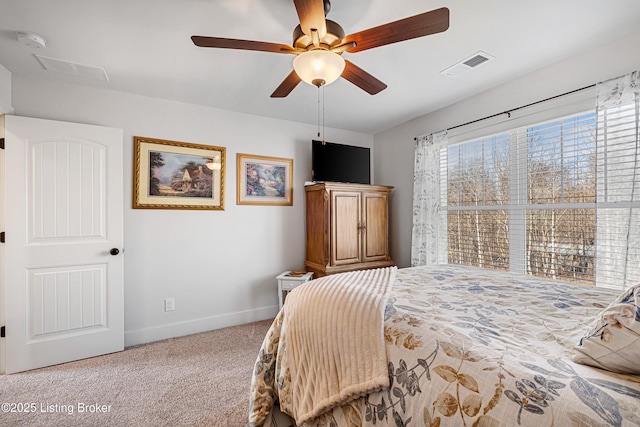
x: 429, y: 233
x: 618, y: 182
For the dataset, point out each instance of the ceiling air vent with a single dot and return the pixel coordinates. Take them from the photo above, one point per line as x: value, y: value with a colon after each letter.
x: 73, y: 68
x: 467, y: 64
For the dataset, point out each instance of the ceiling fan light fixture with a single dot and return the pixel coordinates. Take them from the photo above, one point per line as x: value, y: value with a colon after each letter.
x: 319, y: 67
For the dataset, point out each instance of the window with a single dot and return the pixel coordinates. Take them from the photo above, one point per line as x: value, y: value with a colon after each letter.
x: 524, y: 200
x: 558, y: 199
x: 478, y: 199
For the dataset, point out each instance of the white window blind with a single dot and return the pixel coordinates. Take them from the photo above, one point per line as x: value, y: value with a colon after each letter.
x: 618, y: 195
x: 560, y: 198
x: 555, y: 199
x: 477, y: 194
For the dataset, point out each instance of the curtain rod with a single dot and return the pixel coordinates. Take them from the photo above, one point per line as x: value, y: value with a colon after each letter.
x: 508, y: 112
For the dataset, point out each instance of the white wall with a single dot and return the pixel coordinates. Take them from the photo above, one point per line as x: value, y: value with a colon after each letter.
x: 394, y: 148
x: 220, y: 266
x: 5, y: 91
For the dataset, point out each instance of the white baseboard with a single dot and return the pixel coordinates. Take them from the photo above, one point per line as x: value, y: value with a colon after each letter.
x: 178, y: 329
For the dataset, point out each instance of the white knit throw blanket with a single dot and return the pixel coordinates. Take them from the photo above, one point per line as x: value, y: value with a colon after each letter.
x: 335, y: 349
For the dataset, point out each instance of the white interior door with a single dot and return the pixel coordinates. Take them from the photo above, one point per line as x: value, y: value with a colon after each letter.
x: 64, y: 242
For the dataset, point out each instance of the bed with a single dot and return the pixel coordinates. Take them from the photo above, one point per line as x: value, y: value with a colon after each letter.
x: 463, y: 346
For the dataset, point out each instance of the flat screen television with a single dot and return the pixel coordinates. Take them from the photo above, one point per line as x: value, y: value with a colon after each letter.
x: 340, y: 163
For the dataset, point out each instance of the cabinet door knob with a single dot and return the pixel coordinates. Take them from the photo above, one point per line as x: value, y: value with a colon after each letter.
x: 114, y: 251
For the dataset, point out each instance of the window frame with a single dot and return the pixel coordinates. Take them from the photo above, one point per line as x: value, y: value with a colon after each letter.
x: 518, y: 205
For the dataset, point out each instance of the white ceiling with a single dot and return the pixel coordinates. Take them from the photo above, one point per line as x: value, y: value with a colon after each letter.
x: 145, y: 48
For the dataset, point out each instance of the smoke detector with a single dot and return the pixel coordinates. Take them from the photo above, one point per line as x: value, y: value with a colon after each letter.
x: 31, y: 39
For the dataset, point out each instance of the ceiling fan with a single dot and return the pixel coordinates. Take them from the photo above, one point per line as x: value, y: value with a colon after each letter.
x: 319, y: 44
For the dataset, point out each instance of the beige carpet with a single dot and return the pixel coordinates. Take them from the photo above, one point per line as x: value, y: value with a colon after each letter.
x: 198, y: 380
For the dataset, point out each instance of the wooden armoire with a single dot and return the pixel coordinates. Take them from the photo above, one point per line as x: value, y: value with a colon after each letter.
x: 347, y: 227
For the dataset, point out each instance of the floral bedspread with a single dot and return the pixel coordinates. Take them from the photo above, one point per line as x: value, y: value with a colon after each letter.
x: 474, y: 347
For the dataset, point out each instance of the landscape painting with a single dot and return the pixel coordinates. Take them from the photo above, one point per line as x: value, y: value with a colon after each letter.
x: 264, y: 180
x: 177, y: 175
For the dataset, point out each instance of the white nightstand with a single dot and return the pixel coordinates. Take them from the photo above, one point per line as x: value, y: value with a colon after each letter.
x: 288, y: 280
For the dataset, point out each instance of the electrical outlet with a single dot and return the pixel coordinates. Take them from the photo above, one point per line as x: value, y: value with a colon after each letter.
x: 169, y: 304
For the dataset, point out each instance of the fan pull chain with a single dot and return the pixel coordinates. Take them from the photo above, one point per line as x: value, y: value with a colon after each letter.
x: 318, y: 111
x: 323, y: 131
x: 321, y: 114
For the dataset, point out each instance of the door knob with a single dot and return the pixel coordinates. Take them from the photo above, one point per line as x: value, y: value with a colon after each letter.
x: 114, y: 251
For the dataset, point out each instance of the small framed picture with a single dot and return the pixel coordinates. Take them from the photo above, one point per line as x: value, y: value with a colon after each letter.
x: 177, y: 175
x: 264, y: 180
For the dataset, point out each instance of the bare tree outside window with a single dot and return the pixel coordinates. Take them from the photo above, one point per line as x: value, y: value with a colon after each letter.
x: 558, y: 197
x: 561, y: 172
x: 478, y: 186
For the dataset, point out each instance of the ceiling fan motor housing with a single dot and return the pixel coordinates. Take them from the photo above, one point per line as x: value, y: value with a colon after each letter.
x: 327, y: 6
x: 334, y: 36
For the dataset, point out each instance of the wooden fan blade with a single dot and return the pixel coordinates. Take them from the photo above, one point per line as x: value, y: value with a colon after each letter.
x: 311, y: 15
x: 287, y: 85
x: 362, y: 79
x: 223, y: 43
x: 435, y: 21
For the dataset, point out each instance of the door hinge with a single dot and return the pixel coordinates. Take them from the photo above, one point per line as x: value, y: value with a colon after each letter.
x: 2, y: 237
x: 2, y: 143
x: 2, y: 332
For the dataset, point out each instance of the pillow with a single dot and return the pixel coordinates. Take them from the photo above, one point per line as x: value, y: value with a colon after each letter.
x: 612, y: 341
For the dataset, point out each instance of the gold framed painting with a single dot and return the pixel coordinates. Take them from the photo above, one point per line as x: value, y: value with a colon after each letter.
x: 177, y: 175
x: 264, y: 180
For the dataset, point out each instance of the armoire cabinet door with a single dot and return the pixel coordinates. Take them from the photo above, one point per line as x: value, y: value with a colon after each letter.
x: 375, y: 222
x: 345, y: 227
